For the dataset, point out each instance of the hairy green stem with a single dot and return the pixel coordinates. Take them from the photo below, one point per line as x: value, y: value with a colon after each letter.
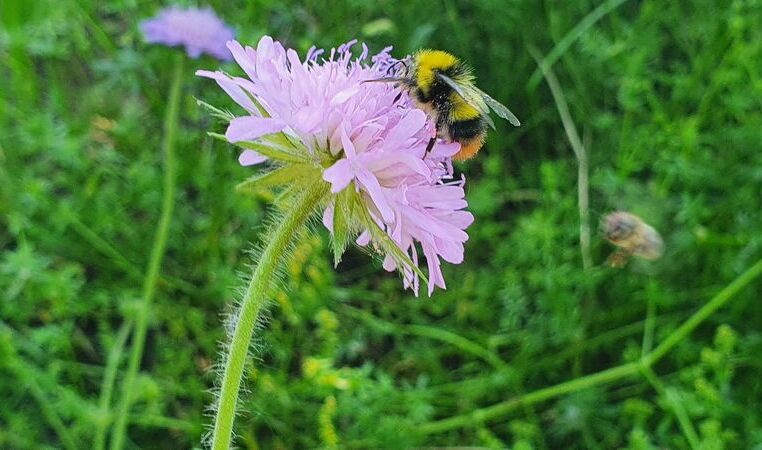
x: 157, y: 253
x: 254, y: 300
x: 606, y: 376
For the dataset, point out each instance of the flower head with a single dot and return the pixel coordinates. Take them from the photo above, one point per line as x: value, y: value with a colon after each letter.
x: 364, y: 139
x: 199, y: 30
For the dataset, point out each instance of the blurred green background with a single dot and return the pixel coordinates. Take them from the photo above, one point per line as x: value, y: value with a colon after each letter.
x: 667, y: 99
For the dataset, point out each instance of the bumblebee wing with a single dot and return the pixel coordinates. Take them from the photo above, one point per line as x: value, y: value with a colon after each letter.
x: 471, y: 95
x: 499, y: 108
x: 387, y: 80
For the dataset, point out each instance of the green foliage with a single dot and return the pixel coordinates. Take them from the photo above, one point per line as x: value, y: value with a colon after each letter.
x: 667, y: 99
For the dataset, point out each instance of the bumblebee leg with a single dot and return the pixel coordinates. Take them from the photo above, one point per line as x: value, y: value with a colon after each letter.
x: 429, y: 146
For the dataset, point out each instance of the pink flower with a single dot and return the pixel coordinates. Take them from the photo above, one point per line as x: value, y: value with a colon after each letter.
x: 199, y: 30
x: 372, y: 141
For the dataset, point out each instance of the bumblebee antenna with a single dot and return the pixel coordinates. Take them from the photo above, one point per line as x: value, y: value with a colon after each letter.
x: 393, y: 66
x: 389, y: 71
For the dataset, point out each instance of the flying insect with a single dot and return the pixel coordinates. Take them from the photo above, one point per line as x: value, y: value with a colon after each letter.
x: 633, y: 236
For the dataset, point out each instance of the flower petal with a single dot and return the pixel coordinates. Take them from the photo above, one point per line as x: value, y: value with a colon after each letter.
x: 248, y: 128
x: 339, y: 175
x: 234, y: 87
x: 250, y: 158
x: 376, y: 193
x: 410, y: 125
x: 444, y: 150
x: 363, y: 239
x: 328, y: 217
x: 344, y: 95
x: 246, y: 58
x: 389, y: 264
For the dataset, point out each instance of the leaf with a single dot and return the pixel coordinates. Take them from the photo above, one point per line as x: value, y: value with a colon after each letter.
x: 342, y: 229
x: 277, y: 177
x: 285, y: 198
x: 273, y: 151
x: 227, y: 116
x: 256, y: 102
x: 276, y: 153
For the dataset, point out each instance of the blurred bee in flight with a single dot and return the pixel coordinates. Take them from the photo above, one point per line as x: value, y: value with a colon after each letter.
x: 443, y: 86
x: 633, y: 236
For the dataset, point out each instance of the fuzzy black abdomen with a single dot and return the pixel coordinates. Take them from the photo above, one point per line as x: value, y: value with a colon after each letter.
x: 466, y: 129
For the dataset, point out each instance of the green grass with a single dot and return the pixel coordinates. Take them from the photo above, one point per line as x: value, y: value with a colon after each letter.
x: 525, y: 349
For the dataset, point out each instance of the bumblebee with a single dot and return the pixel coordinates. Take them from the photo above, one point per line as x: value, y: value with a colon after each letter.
x: 633, y: 236
x: 443, y: 86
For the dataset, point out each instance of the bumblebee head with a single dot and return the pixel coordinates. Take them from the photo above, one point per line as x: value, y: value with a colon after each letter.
x: 428, y: 63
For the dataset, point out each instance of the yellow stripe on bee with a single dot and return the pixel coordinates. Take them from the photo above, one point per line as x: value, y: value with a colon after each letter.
x: 429, y: 60
x: 460, y: 109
